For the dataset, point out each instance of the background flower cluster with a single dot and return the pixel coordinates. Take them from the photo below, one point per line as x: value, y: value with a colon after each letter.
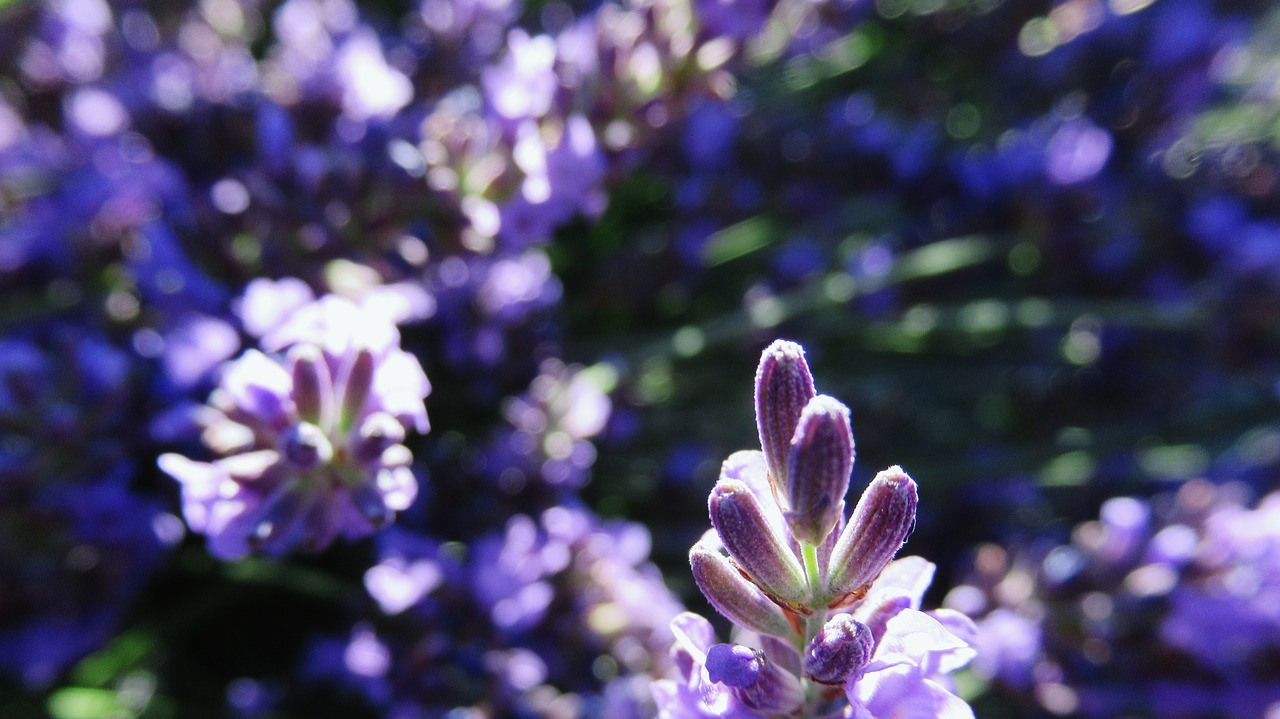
x: 377, y: 359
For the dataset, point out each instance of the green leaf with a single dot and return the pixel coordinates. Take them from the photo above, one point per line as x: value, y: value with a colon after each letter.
x: 86, y: 703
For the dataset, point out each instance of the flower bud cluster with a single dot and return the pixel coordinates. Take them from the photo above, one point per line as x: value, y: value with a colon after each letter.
x: 309, y: 444
x: 822, y: 594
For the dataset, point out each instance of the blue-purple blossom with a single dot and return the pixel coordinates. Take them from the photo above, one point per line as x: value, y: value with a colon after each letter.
x: 693, y: 694
x: 73, y: 558
x: 737, y: 20
x: 908, y: 675
x: 308, y: 446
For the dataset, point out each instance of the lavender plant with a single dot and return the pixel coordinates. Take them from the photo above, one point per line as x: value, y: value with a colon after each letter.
x: 830, y: 623
x: 557, y: 182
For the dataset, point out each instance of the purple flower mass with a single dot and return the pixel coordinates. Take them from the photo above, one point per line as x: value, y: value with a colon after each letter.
x: 1197, y: 567
x: 1034, y: 247
x: 308, y: 444
x: 76, y: 542
x: 554, y: 594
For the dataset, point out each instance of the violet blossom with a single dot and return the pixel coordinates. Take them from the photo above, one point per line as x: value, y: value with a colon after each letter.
x: 308, y: 444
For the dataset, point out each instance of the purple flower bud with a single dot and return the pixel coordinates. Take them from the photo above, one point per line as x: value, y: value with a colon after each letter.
x: 839, y: 651
x: 312, y: 386
x: 829, y: 544
x: 306, y: 447
x: 375, y: 434
x: 876, y: 531
x: 783, y: 387
x: 758, y: 551
x: 818, y: 468
x: 356, y: 383
x: 758, y: 682
x: 733, y: 596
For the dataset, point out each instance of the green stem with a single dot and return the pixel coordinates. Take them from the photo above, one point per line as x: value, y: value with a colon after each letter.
x: 814, y: 622
x: 817, y: 595
x: 816, y: 590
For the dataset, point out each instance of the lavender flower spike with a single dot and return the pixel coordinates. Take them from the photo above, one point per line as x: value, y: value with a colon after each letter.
x: 784, y: 386
x: 877, y: 530
x: 818, y: 468
x: 732, y: 595
x: 833, y: 628
x: 755, y: 547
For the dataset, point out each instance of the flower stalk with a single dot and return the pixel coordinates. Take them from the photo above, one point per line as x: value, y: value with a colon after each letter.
x: 816, y: 590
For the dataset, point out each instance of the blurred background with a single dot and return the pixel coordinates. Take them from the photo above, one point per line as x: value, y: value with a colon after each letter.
x: 1034, y: 246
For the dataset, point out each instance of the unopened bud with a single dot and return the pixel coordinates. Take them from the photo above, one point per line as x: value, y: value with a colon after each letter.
x: 839, y: 651
x: 818, y: 467
x: 764, y: 556
x: 783, y: 387
x: 357, y: 381
x: 877, y: 530
x: 733, y: 596
x: 375, y: 434
x: 312, y: 385
x: 305, y: 446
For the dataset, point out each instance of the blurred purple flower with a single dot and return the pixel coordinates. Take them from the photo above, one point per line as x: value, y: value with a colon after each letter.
x: 310, y: 447
x: 196, y: 345
x: 370, y: 87
x: 737, y: 20
x: 523, y: 85
x: 1077, y: 151
x: 1235, y: 588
